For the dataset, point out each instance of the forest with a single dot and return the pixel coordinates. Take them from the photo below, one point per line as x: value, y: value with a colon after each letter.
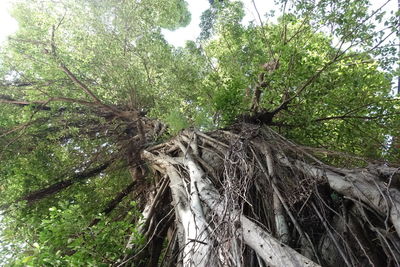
x: 269, y: 143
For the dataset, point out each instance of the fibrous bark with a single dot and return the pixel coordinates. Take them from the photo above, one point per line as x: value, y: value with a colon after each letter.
x: 245, y: 196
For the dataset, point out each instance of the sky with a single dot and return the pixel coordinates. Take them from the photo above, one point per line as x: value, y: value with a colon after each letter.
x: 7, y: 24
x: 178, y: 37
x: 196, y: 7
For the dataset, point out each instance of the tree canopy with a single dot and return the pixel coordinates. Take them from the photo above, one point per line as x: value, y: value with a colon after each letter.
x: 89, y: 87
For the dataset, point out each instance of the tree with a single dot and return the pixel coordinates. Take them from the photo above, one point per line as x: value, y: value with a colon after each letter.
x: 265, y: 145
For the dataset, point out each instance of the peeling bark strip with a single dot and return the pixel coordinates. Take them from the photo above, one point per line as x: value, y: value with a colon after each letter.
x: 240, y: 194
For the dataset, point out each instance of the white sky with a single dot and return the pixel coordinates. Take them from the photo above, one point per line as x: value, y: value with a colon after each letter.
x: 196, y: 8
x: 8, y: 25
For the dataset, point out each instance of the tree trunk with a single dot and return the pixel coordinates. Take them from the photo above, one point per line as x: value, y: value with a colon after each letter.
x: 248, y: 197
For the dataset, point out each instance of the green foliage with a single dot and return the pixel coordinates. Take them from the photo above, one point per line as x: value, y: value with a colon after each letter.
x: 331, y: 65
x: 61, y: 239
x: 337, y: 93
x: 176, y: 121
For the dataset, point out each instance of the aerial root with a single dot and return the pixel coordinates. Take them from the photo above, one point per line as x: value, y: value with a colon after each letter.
x: 233, y: 191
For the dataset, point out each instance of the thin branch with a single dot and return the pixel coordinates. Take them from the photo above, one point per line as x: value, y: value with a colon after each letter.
x: 263, y: 30
x: 22, y: 126
x: 57, y: 187
x: 37, y: 104
x: 343, y: 117
x: 79, y: 83
x: 114, y: 203
x: 307, y: 83
x: 41, y: 104
x: 73, y: 78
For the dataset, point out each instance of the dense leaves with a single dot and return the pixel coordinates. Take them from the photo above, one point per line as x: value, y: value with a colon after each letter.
x: 86, y: 85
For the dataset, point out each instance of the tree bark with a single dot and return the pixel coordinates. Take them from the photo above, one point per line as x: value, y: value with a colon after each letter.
x: 310, y: 209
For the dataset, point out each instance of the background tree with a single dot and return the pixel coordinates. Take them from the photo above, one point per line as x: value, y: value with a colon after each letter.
x: 118, y: 149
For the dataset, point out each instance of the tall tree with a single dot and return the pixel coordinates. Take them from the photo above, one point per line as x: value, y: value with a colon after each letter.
x: 269, y: 144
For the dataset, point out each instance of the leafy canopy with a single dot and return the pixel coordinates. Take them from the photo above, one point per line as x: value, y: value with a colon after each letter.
x: 73, y: 65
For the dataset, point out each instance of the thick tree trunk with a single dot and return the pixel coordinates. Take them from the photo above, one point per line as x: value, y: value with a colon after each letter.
x: 246, y: 196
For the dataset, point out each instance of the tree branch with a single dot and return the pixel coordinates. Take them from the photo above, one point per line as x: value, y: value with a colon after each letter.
x: 113, y: 203
x: 57, y: 187
x: 343, y: 117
